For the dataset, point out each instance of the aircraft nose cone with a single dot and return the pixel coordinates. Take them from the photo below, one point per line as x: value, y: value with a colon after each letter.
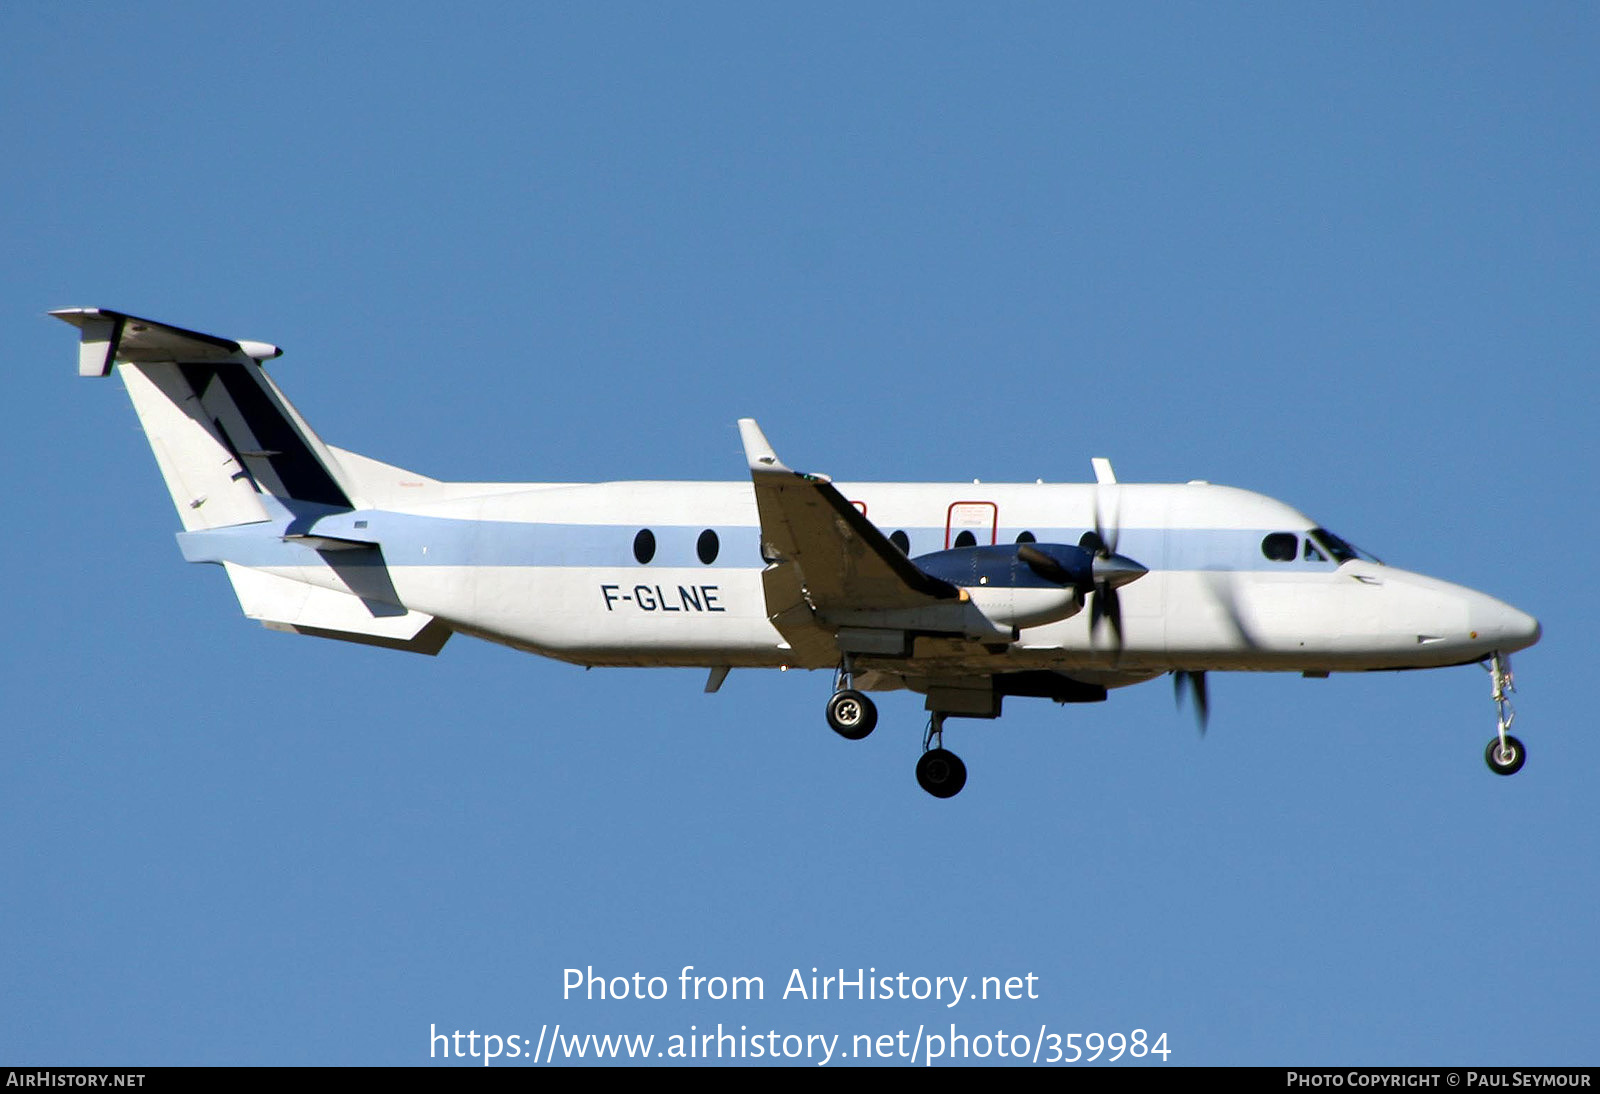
x: 1526, y: 630
x: 1509, y: 629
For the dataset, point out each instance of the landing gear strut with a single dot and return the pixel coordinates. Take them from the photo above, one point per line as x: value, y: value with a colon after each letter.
x: 850, y: 714
x: 1505, y: 754
x: 940, y: 772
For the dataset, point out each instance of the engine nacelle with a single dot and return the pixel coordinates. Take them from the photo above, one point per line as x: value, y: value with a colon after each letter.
x: 1019, y: 606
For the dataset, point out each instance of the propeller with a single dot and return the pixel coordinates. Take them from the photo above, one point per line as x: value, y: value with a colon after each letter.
x: 1096, y: 583
x: 1194, y: 682
x: 1110, y: 571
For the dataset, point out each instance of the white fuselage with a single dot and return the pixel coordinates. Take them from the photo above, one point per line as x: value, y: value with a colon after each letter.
x: 968, y: 593
x: 553, y: 569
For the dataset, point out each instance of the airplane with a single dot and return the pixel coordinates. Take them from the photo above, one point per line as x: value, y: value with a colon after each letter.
x: 967, y: 593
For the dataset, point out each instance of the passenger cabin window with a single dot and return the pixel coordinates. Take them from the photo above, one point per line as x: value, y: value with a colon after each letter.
x: 706, y: 547
x: 1281, y: 546
x: 966, y: 539
x: 644, y: 546
x: 1026, y: 537
x: 902, y: 541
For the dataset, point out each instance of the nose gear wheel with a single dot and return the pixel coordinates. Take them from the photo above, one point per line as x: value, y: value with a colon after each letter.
x: 1505, y: 754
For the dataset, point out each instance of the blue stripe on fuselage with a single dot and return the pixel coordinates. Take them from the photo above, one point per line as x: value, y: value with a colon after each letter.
x: 410, y: 540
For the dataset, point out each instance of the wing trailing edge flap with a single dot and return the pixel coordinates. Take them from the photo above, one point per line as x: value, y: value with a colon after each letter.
x: 284, y: 605
x: 833, y: 579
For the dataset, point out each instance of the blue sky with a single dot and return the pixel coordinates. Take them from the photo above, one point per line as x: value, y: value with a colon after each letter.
x: 1343, y: 255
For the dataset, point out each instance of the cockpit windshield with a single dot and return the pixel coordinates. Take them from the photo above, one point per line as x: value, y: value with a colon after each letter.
x: 1341, y: 550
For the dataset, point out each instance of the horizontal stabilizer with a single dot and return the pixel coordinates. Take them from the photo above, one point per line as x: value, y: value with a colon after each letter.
x: 331, y: 543
x: 111, y: 336
x: 284, y: 605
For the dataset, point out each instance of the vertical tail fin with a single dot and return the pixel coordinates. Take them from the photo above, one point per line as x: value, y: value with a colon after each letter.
x: 233, y: 451
x: 222, y: 432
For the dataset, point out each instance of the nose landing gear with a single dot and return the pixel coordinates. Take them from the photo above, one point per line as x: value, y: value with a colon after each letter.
x: 1505, y: 754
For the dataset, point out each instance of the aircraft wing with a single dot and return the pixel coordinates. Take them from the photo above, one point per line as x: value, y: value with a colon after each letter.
x: 824, y: 557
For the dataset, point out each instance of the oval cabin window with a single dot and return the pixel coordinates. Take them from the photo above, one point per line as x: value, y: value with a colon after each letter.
x: 706, y: 547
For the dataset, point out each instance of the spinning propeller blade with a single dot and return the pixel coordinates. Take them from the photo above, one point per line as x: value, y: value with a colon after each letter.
x: 1111, y: 571
x: 1043, y: 565
x: 1195, y: 682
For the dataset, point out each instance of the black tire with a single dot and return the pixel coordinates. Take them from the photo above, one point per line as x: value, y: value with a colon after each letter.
x: 1505, y: 765
x: 941, y: 773
x: 851, y: 715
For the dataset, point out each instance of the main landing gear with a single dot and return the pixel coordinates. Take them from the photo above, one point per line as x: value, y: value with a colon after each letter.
x: 852, y: 716
x: 1505, y: 754
x: 940, y: 772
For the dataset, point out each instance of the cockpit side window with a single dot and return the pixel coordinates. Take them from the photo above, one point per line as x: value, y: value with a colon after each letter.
x: 1338, y: 548
x: 1281, y: 546
x: 1312, y: 552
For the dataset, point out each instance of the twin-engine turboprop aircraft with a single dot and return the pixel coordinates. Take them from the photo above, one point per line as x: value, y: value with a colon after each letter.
x: 965, y: 593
